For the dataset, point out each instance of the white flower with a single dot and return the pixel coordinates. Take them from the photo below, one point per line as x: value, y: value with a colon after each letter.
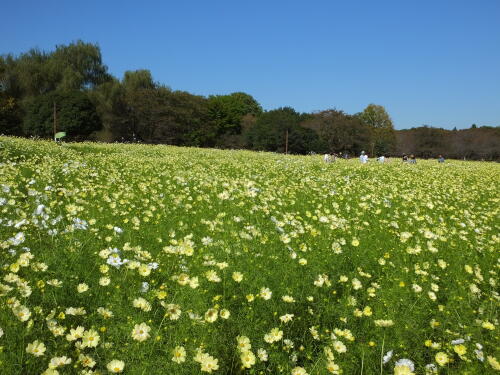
x: 141, y: 332
x: 115, y: 261
x: 262, y: 354
x: 265, y: 293
x: 144, y: 286
x: 431, y: 368
x: 206, y: 241
x: 405, y: 362
x: 387, y: 357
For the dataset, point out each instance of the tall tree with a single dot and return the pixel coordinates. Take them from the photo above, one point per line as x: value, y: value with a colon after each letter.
x: 271, y: 129
x: 110, y: 99
x: 76, y: 66
x: 227, y: 111
x: 138, y: 80
x: 383, y: 136
x: 10, y: 115
x: 339, y: 132
x: 76, y: 115
x: 172, y: 117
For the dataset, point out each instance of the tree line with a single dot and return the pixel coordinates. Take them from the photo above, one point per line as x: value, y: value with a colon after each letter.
x: 91, y: 104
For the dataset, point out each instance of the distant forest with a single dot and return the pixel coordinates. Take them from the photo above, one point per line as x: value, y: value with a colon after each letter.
x: 91, y: 104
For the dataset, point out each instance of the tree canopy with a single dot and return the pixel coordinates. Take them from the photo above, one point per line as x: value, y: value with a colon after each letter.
x: 383, y: 136
x: 76, y: 115
x: 92, y: 104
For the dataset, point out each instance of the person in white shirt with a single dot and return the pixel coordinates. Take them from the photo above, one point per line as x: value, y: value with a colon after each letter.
x: 381, y: 159
x: 363, y: 158
x: 326, y: 158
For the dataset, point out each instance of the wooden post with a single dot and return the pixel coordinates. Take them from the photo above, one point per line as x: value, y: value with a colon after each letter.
x: 286, y: 142
x: 55, y: 121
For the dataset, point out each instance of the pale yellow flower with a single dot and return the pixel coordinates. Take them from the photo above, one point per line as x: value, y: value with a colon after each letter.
x: 90, y: 339
x: 115, y: 366
x: 75, y: 334
x: 22, y: 313
x: 179, y: 354
x: 141, y: 332
x: 247, y: 359
x: 493, y: 362
x: 441, y: 358
x: 36, y: 348
x: 82, y: 287
x: 299, y: 371
x: 224, y: 314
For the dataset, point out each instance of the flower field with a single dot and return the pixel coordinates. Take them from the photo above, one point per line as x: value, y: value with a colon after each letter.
x: 143, y: 259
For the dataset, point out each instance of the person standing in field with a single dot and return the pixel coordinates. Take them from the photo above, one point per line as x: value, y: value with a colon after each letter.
x: 363, y: 158
x: 440, y: 159
x: 381, y: 159
x: 413, y: 159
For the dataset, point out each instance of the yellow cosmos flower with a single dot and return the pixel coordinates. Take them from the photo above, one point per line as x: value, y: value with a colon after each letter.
x: 115, y: 366
x: 441, y: 358
x: 179, y: 354
x: 141, y: 332
x: 36, y: 348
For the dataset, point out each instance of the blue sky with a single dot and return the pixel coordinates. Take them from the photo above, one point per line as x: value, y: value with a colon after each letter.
x: 428, y: 62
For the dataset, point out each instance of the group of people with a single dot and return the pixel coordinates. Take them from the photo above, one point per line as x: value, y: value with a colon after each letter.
x: 330, y: 158
x: 363, y: 158
x: 409, y: 159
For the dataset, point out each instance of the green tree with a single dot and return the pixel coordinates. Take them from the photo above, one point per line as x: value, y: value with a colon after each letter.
x: 110, y: 99
x: 339, y: 132
x: 270, y: 131
x: 76, y: 66
x: 10, y: 116
x: 138, y: 80
x: 227, y: 111
x: 28, y: 74
x: 383, y: 136
x: 172, y: 117
x: 76, y: 115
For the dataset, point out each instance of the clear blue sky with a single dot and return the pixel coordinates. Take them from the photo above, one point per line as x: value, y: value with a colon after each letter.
x: 428, y: 62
